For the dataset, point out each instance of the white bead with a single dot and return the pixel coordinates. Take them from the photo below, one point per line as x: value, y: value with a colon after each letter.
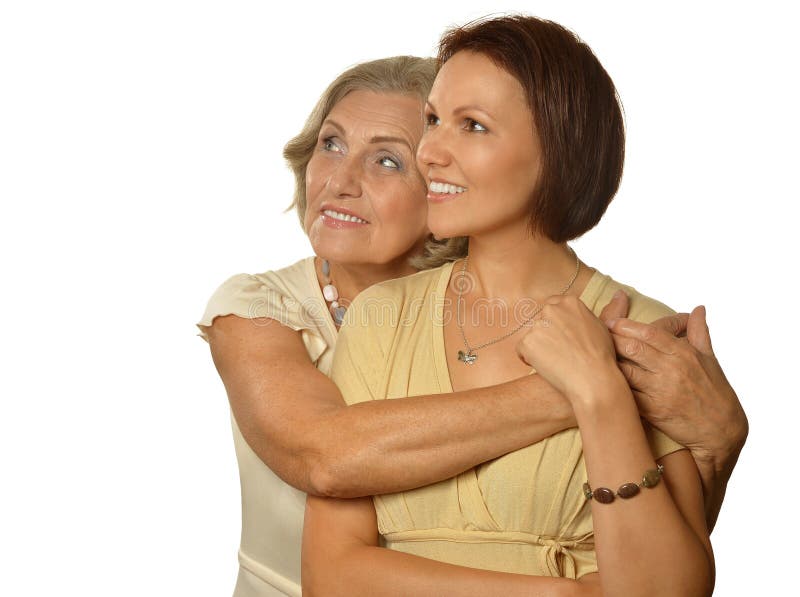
x: 330, y: 293
x: 334, y: 304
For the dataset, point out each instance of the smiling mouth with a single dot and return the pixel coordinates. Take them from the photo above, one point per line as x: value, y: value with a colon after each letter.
x: 336, y: 215
x: 445, y: 188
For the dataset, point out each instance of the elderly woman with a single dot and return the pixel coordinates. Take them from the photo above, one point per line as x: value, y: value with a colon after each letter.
x: 272, y: 336
x: 523, y: 152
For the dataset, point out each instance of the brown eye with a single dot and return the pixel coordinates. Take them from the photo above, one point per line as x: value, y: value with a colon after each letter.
x: 475, y: 126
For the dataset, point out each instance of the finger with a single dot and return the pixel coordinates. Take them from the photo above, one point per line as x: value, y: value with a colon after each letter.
x: 673, y: 324
x: 648, y: 333
x: 636, y: 377
x: 636, y: 351
x: 617, y: 307
x: 697, y: 331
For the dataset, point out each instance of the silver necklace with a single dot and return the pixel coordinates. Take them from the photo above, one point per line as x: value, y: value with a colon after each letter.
x: 469, y: 357
x: 331, y: 294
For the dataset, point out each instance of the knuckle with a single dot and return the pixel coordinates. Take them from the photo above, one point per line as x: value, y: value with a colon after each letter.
x: 633, y: 348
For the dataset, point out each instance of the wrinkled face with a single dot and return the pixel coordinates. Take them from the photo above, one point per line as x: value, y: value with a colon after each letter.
x: 366, y: 198
x: 480, y: 155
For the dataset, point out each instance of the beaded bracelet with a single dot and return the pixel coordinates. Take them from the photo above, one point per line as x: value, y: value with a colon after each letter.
x: 604, y: 495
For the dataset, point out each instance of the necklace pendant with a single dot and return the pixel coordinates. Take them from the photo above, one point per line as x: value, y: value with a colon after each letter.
x: 468, y: 358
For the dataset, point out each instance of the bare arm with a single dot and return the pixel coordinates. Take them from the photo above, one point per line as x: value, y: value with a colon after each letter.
x: 681, y: 388
x: 634, y: 537
x: 341, y: 556
x: 294, y: 418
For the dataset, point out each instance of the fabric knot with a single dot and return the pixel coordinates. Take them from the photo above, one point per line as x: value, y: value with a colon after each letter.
x: 557, y: 556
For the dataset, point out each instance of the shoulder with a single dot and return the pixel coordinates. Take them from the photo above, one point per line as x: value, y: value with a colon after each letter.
x: 418, y: 284
x: 642, y: 307
x: 397, y: 300
x: 285, y: 295
x: 287, y: 281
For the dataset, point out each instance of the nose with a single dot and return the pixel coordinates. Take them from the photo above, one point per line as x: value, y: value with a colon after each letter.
x: 345, y: 180
x: 432, y: 150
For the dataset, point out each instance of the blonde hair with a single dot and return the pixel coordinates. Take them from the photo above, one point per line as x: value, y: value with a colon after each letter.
x: 439, y: 252
x: 399, y: 74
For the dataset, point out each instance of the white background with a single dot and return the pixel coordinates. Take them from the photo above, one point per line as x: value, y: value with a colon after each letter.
x: 140, y: 165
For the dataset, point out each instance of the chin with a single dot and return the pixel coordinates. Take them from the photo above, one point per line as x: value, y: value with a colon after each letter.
x: 449, y: 223
x: 443, y: 230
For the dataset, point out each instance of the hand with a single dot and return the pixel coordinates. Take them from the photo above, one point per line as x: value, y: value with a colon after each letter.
x: 570, y: 347
x: 680, y: 387
x: 619, y: 305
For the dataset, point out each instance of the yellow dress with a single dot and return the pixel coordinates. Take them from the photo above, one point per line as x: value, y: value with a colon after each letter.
x: 272, y: 511
x: 524, y: 512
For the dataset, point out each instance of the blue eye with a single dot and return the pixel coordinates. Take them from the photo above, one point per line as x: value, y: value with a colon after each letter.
x: 475, y: 126
x: 389, y: 162
x: 328, y: 144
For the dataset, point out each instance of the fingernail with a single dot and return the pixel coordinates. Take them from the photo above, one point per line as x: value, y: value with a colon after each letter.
x: 618, y: 294
x: 610, y: 323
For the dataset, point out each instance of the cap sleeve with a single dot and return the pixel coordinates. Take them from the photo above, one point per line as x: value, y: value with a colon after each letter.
x: 251, y: 297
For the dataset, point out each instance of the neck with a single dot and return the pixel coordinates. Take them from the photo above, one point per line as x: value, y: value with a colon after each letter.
x: 351, y: 279
x: 519, y: 266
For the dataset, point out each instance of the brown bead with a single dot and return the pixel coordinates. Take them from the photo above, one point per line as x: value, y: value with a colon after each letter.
x: 651, y: 478
x: 604, y: 495
x: 628, y: 490
x: 587, y: 491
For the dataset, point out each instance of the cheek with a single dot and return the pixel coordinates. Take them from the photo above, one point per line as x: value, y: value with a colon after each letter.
x: 314, y: 185
x: 519, y: 174
x: 404, y: 211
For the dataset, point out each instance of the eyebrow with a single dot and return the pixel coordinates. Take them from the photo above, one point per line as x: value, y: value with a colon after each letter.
x: 373, y: 140
x: 465, y: 108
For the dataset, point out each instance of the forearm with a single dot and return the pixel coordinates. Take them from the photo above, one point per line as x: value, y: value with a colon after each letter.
x: 386, y: 446
x: 380, y: 572
x: 635, y: 537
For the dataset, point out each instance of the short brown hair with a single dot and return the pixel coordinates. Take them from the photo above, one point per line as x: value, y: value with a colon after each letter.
x: 576, y: 112
x: 398, y: 74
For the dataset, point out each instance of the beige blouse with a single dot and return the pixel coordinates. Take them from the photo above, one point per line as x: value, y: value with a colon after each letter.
x: 524, y: 512
x: 272, y: 511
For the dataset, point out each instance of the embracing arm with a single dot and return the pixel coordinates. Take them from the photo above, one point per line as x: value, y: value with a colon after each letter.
x: 341, y: 556
x: 295, y: 420
x: 681, y: 388
x: 636, y: 537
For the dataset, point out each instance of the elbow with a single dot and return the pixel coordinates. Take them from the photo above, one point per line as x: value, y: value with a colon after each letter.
x: 744, y: 431
x: 333, y: 476
x: 322, y: 481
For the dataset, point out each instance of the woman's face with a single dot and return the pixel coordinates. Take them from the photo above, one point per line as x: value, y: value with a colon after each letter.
x: 366, y: 198
x: 479, y: 154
